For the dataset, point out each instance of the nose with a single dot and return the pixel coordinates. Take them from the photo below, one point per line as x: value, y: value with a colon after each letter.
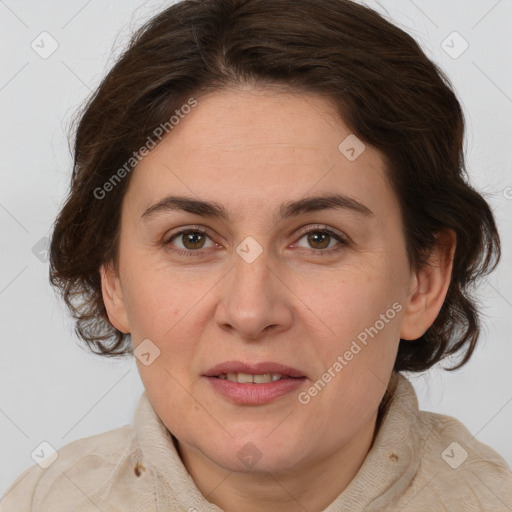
x: 255, y: 300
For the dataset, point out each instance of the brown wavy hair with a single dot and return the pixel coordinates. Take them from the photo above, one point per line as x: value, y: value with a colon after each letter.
x: 385, y: 89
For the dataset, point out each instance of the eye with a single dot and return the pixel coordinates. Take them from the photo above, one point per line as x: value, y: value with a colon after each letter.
x: 320, y: 239
x: 192, y: 240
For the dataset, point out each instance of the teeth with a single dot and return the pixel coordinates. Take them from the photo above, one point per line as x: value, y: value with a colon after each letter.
x: 244, y: 377
x: 261, y: 379
x: 247, y: 378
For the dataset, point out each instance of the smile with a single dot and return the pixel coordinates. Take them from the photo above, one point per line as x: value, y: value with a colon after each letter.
x: 247, y: 378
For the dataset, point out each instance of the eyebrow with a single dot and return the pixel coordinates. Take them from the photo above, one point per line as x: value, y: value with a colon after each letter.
x: 287, y: 209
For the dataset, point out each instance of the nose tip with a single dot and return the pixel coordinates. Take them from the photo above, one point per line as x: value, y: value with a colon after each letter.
x: 252, y: 302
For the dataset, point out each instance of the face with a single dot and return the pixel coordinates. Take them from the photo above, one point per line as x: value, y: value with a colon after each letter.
x: 323, y: 290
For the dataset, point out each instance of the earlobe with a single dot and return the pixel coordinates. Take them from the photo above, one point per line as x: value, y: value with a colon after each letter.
x: 113, y: 297
x: 429, y: 288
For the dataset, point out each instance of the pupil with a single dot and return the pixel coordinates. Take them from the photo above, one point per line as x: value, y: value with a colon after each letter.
x: 316, y: 236
x: 192, y: 238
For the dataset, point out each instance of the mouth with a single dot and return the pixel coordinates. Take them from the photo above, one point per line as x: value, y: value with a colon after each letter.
x: 247, y: 378
x: 254, y: 384
x: 266, y: 371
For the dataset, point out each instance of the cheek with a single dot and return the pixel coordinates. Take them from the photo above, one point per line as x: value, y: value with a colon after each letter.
x: 361, y: 314
x: 350, y: 303
x: 167, y: 308
x: 158, y: 300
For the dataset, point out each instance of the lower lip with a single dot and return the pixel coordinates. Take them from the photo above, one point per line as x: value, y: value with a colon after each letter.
x: 255, y: 394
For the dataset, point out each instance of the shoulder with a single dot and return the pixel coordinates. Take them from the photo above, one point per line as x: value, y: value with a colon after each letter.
x: 457, y: 470
x: 81, y: 467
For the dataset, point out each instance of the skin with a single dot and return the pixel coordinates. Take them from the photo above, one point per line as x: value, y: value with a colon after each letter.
x: 251, y: 149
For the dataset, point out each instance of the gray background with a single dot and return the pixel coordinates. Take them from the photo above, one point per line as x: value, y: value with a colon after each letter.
x: 52, y: 390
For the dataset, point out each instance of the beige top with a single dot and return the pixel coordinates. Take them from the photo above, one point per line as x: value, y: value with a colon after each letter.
x: 419, y: 461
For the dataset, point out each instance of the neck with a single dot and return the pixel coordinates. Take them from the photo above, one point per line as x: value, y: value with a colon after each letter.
x: 312, y: 486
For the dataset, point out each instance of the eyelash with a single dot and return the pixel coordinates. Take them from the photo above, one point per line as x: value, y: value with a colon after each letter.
x: 315, y: 229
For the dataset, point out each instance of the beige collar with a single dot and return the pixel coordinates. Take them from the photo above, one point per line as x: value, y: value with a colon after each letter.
x: 387, y: 470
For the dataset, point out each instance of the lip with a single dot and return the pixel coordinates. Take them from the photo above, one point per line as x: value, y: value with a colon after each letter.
x: 254, y: 394
x: 253, y: 369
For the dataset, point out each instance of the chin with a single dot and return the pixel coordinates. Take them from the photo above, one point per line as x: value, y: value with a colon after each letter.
x: 250, y: 455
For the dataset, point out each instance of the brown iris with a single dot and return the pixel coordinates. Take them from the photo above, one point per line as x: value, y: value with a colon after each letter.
x: 315, y: 236
x: 194, y: 238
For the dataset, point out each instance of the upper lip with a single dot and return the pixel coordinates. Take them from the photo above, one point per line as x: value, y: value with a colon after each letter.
x: 252, y: 369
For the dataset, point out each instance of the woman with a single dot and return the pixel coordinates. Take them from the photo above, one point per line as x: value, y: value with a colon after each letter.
x: 269, y: 210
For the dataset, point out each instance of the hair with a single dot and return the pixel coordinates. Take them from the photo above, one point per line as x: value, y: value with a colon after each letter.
x: 384, y: 88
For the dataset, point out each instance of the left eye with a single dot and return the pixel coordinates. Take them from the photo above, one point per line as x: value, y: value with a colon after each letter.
x: 322, y: 238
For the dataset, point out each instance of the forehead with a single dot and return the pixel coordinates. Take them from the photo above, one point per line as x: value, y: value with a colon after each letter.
x: 246, y: 145
x: 261, y: 122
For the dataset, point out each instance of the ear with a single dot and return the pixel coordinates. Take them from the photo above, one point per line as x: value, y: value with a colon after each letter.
x: 429, y: 287
x: 113, y: 297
